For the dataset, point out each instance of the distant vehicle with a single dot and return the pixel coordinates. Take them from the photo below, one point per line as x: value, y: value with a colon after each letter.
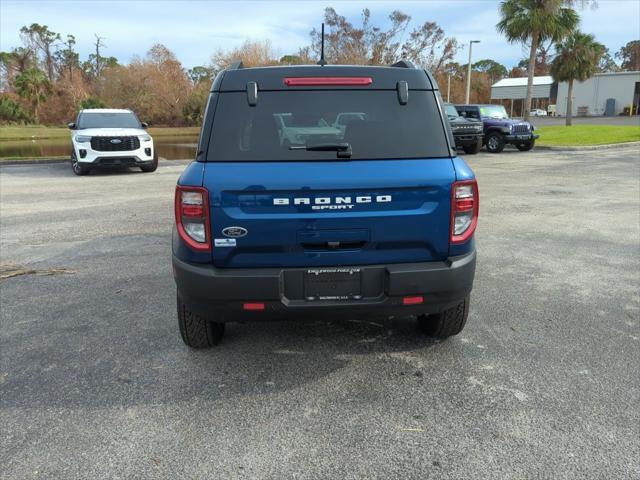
x: 302, y: 130
x: 344, y: 119
x: 551, y: 110
x: 467, y: 132
x: 368, y: 213
x: 110, y: 137
x: 499, y: 129
x: 538, y: 112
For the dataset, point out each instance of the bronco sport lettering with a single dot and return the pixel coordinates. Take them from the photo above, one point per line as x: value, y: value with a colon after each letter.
x: 328, y: 203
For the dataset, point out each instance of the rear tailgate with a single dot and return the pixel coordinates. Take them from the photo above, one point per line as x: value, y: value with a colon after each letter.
x: 296, y: 214
x: 296, y: 205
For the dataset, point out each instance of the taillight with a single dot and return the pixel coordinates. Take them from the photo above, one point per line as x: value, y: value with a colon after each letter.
x: 192, y: 217
x: 465, y: 204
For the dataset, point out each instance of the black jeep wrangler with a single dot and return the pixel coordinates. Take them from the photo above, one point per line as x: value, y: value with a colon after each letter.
x: 468, y: 133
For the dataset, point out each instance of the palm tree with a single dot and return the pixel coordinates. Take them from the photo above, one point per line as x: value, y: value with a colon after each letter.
x: 534, y: 22
x: 33, y: 85
x: 577, y: 58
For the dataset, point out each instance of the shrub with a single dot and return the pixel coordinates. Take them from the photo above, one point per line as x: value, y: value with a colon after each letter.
x: 12, y: 112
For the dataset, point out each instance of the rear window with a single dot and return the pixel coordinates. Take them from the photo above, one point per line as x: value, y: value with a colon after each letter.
x: 373, y: 122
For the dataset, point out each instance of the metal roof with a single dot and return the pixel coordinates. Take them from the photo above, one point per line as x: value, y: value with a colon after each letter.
x: 522, y: 81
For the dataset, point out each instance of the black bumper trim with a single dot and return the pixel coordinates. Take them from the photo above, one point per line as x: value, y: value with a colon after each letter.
x: 514, y: 138
x: 220, y: 293
x: 123, y: 161
x: 467, y: 139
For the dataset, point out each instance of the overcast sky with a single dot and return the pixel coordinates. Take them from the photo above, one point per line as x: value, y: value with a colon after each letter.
x: 195, y: 29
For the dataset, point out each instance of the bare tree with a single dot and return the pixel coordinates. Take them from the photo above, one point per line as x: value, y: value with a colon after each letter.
x: 369, y: 44
x: 428, y: 47
x: 98, y: 58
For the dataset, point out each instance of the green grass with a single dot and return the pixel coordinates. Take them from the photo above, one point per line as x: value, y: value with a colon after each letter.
x: 29, y: 132
x: 583, y: 135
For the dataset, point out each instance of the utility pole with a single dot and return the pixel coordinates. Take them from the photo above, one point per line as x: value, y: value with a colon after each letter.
x: 469, y: 71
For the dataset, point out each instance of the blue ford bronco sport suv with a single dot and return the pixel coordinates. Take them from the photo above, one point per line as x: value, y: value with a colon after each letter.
x: 293, y: 209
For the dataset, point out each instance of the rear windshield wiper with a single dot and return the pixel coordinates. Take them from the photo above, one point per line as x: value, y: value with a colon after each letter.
x: 343, y: 150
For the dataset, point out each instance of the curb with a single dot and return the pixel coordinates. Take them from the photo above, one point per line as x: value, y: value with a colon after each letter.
x: 52, y: 161
x: 568, y: 148
x: 33, y: 161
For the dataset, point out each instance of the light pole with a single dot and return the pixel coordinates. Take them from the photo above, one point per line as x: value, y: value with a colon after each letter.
x: 469, y: 71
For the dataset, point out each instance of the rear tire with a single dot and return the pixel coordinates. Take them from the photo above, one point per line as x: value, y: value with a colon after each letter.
x: 495, y: 142
x: 473, y: 149
x: 78, y: 168
x: 197, y: 332
x: 445, y: 324
x: 153, y: 165
x: 525, y: 147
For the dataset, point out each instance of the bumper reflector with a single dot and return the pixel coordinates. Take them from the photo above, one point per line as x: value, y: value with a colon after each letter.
x: 253, y: 306
x: 413, y: 300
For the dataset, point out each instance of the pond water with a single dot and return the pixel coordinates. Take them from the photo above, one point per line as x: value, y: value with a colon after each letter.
x: 171, y: 148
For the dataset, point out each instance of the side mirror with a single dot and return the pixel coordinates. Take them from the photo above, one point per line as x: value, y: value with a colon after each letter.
x: 71, y: 126
x: 144, y: 124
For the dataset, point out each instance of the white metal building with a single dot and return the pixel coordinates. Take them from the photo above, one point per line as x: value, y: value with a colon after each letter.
x: 590, y: 97
x: 516, y: 89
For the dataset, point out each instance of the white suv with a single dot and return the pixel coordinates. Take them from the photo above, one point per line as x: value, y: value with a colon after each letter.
x: 110, y: 137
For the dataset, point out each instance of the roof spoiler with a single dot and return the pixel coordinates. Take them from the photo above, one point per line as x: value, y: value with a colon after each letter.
x: 403, y: 64
x: 237, y: 65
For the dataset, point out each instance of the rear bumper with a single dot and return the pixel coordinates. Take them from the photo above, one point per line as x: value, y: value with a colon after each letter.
x: 221, y: 293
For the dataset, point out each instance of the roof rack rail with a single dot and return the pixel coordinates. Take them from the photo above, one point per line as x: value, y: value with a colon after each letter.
x: 403, y: 64
x: 236, y: 65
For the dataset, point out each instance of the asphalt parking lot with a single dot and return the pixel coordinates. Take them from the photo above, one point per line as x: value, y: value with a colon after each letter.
x: 543, y: 382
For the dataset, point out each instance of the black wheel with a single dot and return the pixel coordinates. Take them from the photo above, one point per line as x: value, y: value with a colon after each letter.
x: 151, y: 167
x: 78, y: 168
x: 525, y: 147
x: 447, y: 323
x: 196, y: 331
x: 473, y: 149
x: 494, y: 142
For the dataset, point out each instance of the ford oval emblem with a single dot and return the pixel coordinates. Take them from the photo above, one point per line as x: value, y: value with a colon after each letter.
x: 234, y: 232
x: 115, y: 140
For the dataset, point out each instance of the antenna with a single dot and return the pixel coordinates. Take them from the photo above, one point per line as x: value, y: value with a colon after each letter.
x: 322, y: 61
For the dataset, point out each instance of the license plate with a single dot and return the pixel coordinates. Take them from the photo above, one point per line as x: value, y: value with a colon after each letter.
x: 523, y: 137
x: 332, y: 284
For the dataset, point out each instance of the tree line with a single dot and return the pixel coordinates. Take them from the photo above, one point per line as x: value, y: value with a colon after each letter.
x: 45, y: 81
